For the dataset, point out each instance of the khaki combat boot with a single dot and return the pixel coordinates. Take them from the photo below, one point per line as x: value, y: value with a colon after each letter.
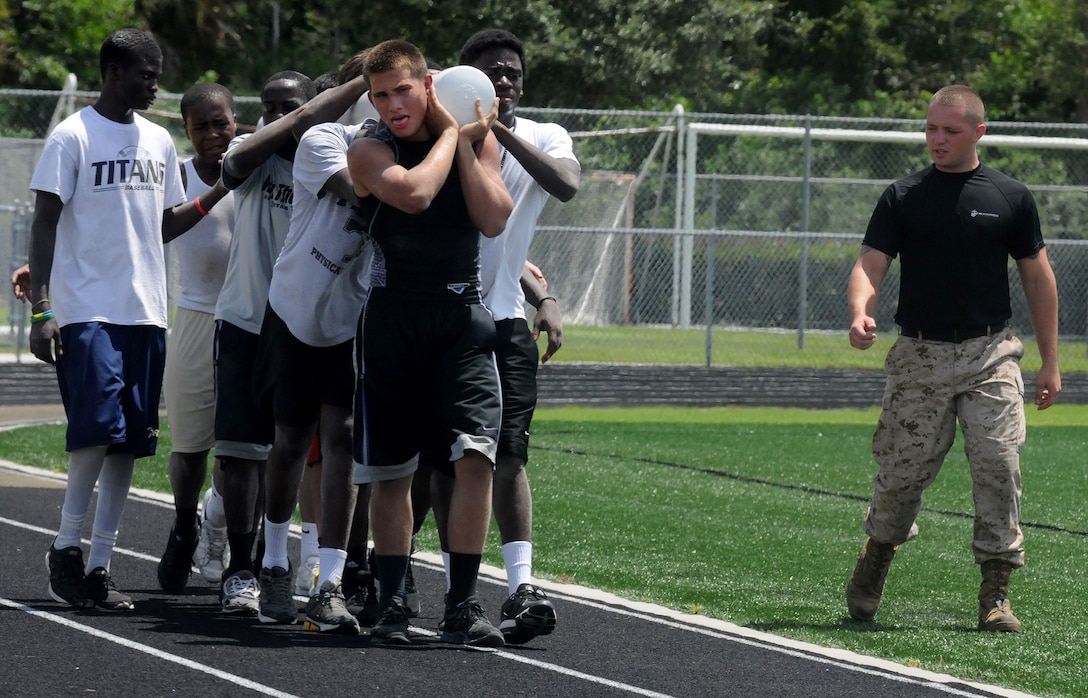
x: 866, y: 585
x: 994, y: 610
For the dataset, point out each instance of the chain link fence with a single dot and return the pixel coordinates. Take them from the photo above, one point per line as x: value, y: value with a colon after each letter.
x: 695, y: 238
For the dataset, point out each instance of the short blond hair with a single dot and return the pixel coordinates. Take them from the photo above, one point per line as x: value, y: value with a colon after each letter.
x: 962, y: 96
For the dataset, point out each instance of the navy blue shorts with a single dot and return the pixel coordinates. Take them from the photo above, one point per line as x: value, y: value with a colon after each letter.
x: 429, y: 383
x: 296, y: 378
x: 110, y: 379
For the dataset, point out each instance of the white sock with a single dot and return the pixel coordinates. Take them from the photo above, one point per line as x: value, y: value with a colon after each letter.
x: 309, y: 542
x: 332, y: 565
x: 275, y: 544
x: 517, y: 557
x: 446, y: 566
x: 84, y: 465
x: 214, y: 513
x: 114, y: 483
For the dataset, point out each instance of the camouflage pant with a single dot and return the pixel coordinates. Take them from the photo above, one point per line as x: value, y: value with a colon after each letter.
x: 930, y: 385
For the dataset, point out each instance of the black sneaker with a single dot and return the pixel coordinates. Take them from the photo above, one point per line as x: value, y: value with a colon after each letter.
x: 66, y: 576
x: 392, y: 625
x: 177, y: 560
x: 466, y: 624
x: 527, y: 613
x: 277, y: 602
x: 103, y: 593
x: 361, y: 594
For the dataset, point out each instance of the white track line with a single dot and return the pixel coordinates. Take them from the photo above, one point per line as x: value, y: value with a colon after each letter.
x: 652, y: 613
x: 158, y: 654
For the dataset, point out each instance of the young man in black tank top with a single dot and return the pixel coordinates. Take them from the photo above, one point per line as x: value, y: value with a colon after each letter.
x: 428, y: 379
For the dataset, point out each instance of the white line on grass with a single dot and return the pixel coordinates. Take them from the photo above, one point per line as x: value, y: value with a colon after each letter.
x: 158, y: 654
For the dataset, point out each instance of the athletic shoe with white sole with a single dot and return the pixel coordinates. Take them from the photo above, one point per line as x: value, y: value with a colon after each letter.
x: 392, y: 625
x: 240, y: 594
x: 277, y: 602
x: 102, y: 593
x: 528, y: 612
x: 212, y: 556
x: 466, y: 624
x: 306, y: 576
x: 327, y: 613
x: 66, y: 576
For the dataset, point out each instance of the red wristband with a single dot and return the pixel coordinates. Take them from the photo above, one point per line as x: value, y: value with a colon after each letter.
x: 200, y: 209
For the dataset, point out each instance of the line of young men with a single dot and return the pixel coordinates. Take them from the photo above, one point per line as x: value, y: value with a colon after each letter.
x: 261, y: 201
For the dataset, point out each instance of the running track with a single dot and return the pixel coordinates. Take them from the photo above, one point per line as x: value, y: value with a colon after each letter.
x: 603, y: 646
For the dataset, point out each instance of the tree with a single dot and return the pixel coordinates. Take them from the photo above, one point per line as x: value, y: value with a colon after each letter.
x: 51, y: 38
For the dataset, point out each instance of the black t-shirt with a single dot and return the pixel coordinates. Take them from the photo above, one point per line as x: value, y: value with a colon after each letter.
x: 435, y: 253
x: 954, y: 234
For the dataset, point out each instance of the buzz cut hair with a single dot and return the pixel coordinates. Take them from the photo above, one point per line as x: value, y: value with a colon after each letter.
x: 392, y: 55
x: 205, y: 92
x: 962, y: 96
x: 309, y: 91
x: 492, y: 38
x: 126, y: 47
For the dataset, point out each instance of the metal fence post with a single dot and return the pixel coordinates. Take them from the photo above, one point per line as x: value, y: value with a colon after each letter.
x: 806, y: 202
x: 678, y: 216
x: 688, y: 237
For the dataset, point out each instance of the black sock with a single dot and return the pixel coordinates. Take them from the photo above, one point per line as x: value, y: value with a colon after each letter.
x: 464, y: 568
x: 241, y: 550
x: 391, y: 569
x: 357, y: 555
x: 186, y: 519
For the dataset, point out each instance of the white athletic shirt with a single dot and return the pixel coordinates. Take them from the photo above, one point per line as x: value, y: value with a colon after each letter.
x: 502, y: 258
x: 202, y: 252
x: 262, y: 215
x: 320, y: 280
x: 115, y: 180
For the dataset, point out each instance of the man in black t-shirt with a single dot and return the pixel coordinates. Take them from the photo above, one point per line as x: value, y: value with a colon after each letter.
x: 953, y: 226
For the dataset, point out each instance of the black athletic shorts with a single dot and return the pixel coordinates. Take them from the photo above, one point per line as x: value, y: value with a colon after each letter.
x: 243, y: 424
x: 296, y: 379
x: 429, y: 382
x: 517, y: 356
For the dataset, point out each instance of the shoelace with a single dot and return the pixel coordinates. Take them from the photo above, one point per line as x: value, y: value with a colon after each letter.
x: 396, y: 613
x: 240, y: 586
x: 471, y: 610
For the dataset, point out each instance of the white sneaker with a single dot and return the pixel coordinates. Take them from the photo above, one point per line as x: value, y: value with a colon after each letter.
x: 241, y: 593
x: 306, y: 577
x: 212, y: 554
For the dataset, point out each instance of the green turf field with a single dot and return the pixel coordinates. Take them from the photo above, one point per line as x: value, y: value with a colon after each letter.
x: 729, y: 347
x: 754, y: 516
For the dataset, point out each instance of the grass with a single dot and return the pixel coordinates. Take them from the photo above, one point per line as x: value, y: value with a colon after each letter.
x: 754, y: 516
x: 665, y: 345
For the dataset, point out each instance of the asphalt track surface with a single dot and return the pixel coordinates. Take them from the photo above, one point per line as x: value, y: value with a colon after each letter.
x: 182, y: 644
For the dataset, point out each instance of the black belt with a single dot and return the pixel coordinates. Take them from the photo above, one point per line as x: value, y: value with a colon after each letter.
x: 955, y: 334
